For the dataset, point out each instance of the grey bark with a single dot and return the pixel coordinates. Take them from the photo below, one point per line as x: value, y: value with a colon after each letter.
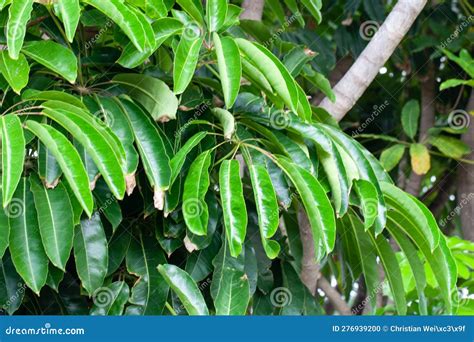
x: 253, y: 10
x: 375, y: 55
x: 466, y: 180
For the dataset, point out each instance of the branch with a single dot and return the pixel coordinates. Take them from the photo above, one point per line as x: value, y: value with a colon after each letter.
x: 374, y: 56
x: 253, y: 10
x: 309, y: 267
x: 427, y: 120
x: 334, y: 297
x: 466, y: 179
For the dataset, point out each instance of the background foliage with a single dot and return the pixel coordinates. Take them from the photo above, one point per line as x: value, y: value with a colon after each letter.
x: 164, y: 157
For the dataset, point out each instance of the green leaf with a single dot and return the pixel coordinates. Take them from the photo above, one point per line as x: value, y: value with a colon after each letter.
x: 450, y: 147
x: 314, y: 7
x: 55, y: 95
x: 53, y: 56
x: 185, y: 288
x: 317, y: 206
x: 152, y: 150
x: 455, y: 83
x: 464, y: 61
x: 163, y: 28
x: 195, y: 211
x: 414, y: 212
x: 230, y: 67
x: 230, y: 287
x: 265, y: 201
x: 90, y: 252
x: 107, y: 204
x: 150, y: 292
x: 416, y: 265
x: 369, y: 201
x: 4, y: 230
x: 275, y: 72
x: 186, y: 58
x: 411, y: 118
x: 135, y: 27
x: 322, y: 83
x: 420, y: 159
x: 216, y: 11
x: 392, y: 156
x: 97, y: 145
x: 26, y: 248
x: 364, y: 251
x: 13, y: 155
x: 48, y: 168
x: 392, y: 271
x: 193, y: 8
x: 55, y: 219
x: 19, y: 14
x: 12, y: 288
x: 55, y: 277
x: 118, y: 246
x: 227, y: 121
x: 16, y: 72
x: 70, y: 11
x: 177, y: 162
x: 111, y: 300
x: 154, y: 95
x: 233, y: 205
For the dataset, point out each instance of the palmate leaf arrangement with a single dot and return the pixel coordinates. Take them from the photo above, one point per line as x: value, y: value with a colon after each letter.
x: 170, y: 199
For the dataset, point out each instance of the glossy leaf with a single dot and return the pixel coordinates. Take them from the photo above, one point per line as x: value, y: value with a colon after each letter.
x: 317, y: 206
x: 26, y: 247
x: 230, y: 285
x: 70, y: 11
x: 410, y: 118
x: 13, y: 155
x: 111, y: 300
x: 185, y: 288
x: 177, y: 162
x: 230, y: 67
x: 48, y: 168
x: 4, y: 230
x: 233, y: 205
x: 90, y: 253
x: 276, y: 73
x: 392, y: 156
x: 150, y: 292
x: 12, y: 288
x: 227, y: 121
x: 136, y: 28
x: 154, y: 95
x: 186, y: 58
x: 216, y: 11
x: 53, y: 56
x: 15, y: 71
x: 55, y: 219
x: 96, y: 145
x: 195, y: 211
x: 19, y: 14
x: 152, y: 150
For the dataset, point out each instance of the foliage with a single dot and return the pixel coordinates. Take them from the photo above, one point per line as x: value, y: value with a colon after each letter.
x: 163, y: 149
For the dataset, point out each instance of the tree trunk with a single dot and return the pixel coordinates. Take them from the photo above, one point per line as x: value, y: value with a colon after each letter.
x: 428, y: 111
x: 253, y: 10
x: 466, y: 180
x: 374, y: 56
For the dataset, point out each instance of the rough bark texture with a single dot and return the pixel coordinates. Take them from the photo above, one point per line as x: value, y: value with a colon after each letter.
x: 374, y: 56
x: 427, y: 120
x: 309, y: 268
x: 466, y: 180
x: 253, y: 9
